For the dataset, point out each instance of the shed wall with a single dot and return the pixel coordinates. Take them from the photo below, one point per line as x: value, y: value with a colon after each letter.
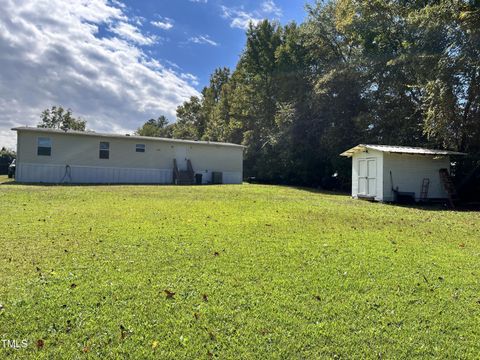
x: 124, y: 165
x: 409, y: 171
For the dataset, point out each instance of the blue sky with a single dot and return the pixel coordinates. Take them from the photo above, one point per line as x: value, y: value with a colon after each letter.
x: 211, y: 19
x: 118, y: 63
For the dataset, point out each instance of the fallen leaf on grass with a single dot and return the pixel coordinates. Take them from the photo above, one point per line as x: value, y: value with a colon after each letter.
x: 124, y: 332
x: 40, y: 344
x: 264, y: 331
x: 73, y: 286
x: 154, y: 344
x: 169, y: 294
x: 205, y: 297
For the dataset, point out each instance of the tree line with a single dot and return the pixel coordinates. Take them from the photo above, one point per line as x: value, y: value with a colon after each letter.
x: 393, y: 72
x: 382, y: 72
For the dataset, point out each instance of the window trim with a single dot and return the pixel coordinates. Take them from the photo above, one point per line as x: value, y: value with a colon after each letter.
x: 140, y: 148
x: 104, y: 153
x: 44, y: 150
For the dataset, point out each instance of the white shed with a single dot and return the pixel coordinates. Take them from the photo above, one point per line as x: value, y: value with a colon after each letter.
x: 380, y: 171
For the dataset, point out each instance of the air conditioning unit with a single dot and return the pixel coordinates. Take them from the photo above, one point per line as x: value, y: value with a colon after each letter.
x: 217, y: 177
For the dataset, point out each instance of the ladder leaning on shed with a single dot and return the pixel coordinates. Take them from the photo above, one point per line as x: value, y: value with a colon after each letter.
x: 424, y: 189
x: 449, y: 187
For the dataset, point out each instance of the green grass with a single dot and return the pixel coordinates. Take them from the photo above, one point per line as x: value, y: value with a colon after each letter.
x: 257, y: 271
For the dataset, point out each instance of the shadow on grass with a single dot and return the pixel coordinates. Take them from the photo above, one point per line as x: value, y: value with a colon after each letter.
x: 462, y: 206
x: 437, y: 206
x: 15, y: 183
x: 319, y: 191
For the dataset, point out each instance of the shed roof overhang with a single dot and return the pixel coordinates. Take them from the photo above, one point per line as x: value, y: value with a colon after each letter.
x: 399, y: 150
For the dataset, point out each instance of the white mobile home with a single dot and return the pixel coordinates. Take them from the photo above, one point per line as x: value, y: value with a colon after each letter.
x: 379, y: 172
x: 56, y: 156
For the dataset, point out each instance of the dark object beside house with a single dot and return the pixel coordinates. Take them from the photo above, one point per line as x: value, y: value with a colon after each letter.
x: 4, y: 164
x: 198, y: 179
x: 217, y: 177
x: 402, y: 197
x: 11, y: 169
x: 469, y: 186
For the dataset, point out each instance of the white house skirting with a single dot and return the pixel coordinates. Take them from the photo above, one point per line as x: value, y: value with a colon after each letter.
x: 57, y: 174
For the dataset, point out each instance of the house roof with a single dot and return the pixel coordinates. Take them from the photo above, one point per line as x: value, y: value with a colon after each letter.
x: 120, y: 136
x: 398, y: 149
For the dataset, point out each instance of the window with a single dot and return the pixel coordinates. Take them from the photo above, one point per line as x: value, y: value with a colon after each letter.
x: 44, y: 147
x: 140, y: 148
x: 104, y: 150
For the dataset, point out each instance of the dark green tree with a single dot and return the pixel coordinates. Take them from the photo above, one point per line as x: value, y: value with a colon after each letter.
x: 191, y: 120
x: 156, y: 128
x: 58, y: 118
x: 392, y: 72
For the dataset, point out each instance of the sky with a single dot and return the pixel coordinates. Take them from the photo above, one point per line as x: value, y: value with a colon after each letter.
x: 118, y: 63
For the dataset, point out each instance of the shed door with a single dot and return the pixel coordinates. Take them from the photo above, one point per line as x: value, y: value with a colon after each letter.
x: 372, y: 177
x: 362, y: 177
x: 367, y: 177
x: 181, y: 157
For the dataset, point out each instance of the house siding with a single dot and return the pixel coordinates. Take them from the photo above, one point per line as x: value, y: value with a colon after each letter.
x: 125, y: 165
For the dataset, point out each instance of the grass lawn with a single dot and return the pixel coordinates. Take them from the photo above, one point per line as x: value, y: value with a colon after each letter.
x: 257, y: 272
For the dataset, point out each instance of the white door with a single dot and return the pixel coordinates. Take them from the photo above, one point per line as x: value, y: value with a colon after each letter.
x: 181, y: 157
x: 372, y: 177
x: 362, y: 177
x: 367, y: 177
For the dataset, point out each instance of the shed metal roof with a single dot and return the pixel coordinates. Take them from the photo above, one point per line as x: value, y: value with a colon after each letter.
x: 398, y: 149
x: 120, y: 136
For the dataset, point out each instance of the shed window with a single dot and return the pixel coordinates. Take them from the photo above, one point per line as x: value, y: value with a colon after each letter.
x: 44, y: 147
x: 104, y: 150
x: 140, y: 148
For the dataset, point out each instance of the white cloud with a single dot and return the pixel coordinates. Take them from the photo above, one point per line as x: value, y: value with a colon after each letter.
x: 199, y: 1
x: 164, y: 23
x: 269, y: 7
x: 132, y: 33
x: 192, y: 79
x: 203, y: 39
x: 51, y: 53
x: 241, y: 19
